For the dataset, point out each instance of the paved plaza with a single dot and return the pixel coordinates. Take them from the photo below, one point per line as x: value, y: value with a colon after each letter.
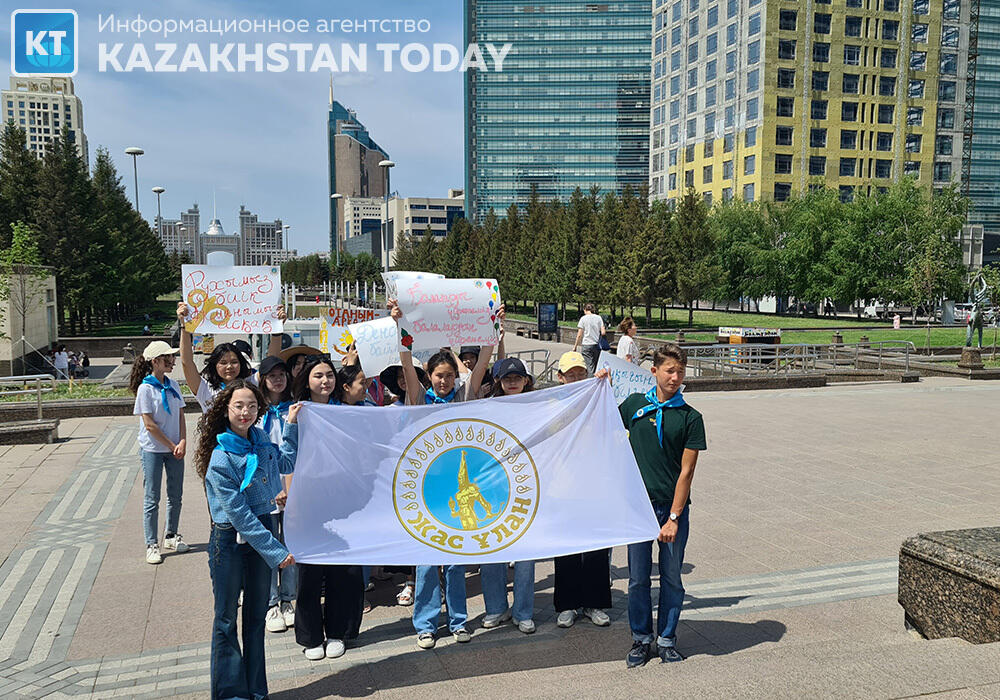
x: 799, y: 507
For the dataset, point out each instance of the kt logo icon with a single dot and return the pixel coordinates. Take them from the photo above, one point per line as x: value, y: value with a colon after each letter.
x: 43, y: 42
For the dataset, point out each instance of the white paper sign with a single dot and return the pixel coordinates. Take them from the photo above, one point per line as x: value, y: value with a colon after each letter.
x: 447, y: 312
x: 626, y: 378
x: 239, y: 299
x: 377, y: 344
x: 390, y: 279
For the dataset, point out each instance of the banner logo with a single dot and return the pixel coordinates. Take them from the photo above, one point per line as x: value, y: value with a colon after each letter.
x: 43, y: 42
x: 465, y: 487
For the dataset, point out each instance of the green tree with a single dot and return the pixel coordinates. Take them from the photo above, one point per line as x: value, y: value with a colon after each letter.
x: 18, y: 180
x: 426, y: 258
x: 405, y: 252
x: 692, y: 252
x: 601, y: 244
x: 650, y: 257
x: 811, y: 223
x: 22, y: 279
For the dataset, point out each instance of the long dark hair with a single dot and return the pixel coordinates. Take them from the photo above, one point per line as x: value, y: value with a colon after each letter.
x: 216, y: 421
x: 140, y: 369
x: 209, y: 373
x: 346, y: 376
x: 443, y: 357
x: 497, y: 389
x: 286, y: 395
x: 300, y: 385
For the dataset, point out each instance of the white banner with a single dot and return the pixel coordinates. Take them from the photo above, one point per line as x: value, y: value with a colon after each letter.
x: 239, y: 299
x: 448, y: 312
x: 377, y: 343
x: 508, y: 479
x: 626, y: 378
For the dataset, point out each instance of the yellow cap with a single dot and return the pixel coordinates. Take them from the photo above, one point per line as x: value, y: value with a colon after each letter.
x: 571, y: 359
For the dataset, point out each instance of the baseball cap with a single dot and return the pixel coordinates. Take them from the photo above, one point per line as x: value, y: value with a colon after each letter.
x: 157, y: 348
x: 244, y: 347
x: 508, y: 366
x: 571, y: 359
x: 270, y: 363
x: 474, y: 349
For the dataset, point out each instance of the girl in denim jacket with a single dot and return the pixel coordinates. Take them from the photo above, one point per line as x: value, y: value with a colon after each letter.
x: 242, y: 471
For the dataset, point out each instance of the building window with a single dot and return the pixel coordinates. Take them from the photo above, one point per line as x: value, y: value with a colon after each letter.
x: 782, y: 191
x: 849, y: 111
x: 713, y: 16
x: 675, y: 109
x: 709, y: 148
x: 890, y: 30
x: 942, y: 172
x: 883, y: 168
x: 951, y: 9
x: 852, y: 26
x: 675, y: 60
x: 727, y: 143
x: 918, y: 34
x: 710, y: 70
x: 883, y: 141
x: 753, y: 108
x: 727, y: 170
x: 786, y: 107
x: 821, y: 52
x: 852, y: 55
x: 817, y: 138
x: 706, y: 175
x: 915, y: 116
x: 707, y: 196
x: 675, y: 36
x: 851, y: 84
x: 821, y: 23
x: 887, y: 58
x: 949, y: 63
x: 921, y: 7
x: 818, y: 109
x: 946, y: 91
x: 943, y: 146
x: 693, y: 78
x: 692, y: 52
x: 918, y: 60
x: 711, y: 44
x: 783, y: 136
x: 727, y: 194
x: 854, y: 3
x: 710, y: 96
x: 915, y: 90
x: 848, y: 167
x: 729, y: 116
x: 753, y: 25
x: 750, y: 137
x: 913, y: 143
x: 946, y: 118
x: 787, y: 19
x: 672, y: 181
x: 817, y: 165
x: 749, y: 165
x: 753, y: 52
x: 709, y: 123
x: 731, y: 62
x: 689, y: 178
x: 748, y: 192
x: 782, y: 164
x: 672, y: 157
x: 693, y: 27
x: 887, y: 86
x: 692, y: 128
x: 732, y: 35
x: 753, y: 80
x: 693, y: 102
x: 846, y: 193
x: 911, y: 167
x: 820, y: 80
x: 949, y: 37
x: 730, y: 88
x: 786, y: 49
x: 890, y: 5
x: 786, y: 78
x: 886, y: 113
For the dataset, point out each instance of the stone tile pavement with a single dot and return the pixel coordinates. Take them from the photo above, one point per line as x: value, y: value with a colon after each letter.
x: 799, y: 507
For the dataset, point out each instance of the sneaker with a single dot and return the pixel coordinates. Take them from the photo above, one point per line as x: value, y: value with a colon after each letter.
x: 462, y: 635
x: 638, y: 655
x: 370, y: 586
x: 491, y: 621
x: 597, y: 616
x: 273, y: 621
x: 425, y: 640
x: 175, y: 543
x: 526, y: 626
x: 335, y: 648
x: 288, y: 613
x: 669, y: 655
x: 405, y: 596
x: 316, y: 653
x: 153, y: 554
x: 566, y: 618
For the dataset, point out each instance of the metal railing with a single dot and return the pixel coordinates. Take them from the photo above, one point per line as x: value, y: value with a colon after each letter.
x: 23, y: 379
x: 755, y: 359
x: 538, y: 364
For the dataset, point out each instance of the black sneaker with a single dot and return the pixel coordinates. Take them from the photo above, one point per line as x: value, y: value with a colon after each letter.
x: 669, y: 655
x: 638, y: 656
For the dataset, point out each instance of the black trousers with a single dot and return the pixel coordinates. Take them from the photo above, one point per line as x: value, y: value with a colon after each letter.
x: 582, y: 581
x: 339, y: 615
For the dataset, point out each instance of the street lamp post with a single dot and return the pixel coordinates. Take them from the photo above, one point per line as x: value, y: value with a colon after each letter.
x: 288, y: 237
x: 336, y: 197
x: 159, y: 217
x: 135, y: 152
x: 385, y: 165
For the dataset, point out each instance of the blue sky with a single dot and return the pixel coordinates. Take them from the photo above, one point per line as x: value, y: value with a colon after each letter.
x: 259, y: 139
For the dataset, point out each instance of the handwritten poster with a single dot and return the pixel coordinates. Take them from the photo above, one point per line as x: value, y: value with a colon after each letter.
x: 391, y: 279
x: 377, y: 344
x: 345, y: 317
x: 448, y: 312
x: 239, y: 299
x: 626, y: 378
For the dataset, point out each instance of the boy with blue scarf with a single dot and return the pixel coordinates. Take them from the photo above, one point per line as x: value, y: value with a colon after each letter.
x: 666, y: 435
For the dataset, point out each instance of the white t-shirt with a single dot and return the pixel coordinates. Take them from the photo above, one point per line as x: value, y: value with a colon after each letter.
x: 206, y: 394
x: 149, y: 399
x: 591, y: 325
x: 626, y: 347
x: 61, y: 360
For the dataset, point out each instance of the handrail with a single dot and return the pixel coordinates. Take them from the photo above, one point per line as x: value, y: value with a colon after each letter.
x: 749, y: 358
x: 530, y: 359
x: 37, y: 390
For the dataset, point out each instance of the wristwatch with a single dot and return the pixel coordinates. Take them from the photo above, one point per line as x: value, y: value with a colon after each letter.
x: 673, y: 517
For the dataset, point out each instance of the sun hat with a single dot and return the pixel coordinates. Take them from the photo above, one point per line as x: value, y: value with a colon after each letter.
x: 158, y: 348
x: 288, y: 353
x: 389, y: 377
x: 571, y: 359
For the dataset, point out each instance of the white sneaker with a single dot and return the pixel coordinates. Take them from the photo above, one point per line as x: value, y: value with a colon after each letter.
x: 176, y: 543
x: 566, y: 618
x: 316, y: 653
x: 334, y: 648
x: 273, y: 621
x: 597, y: 616
x: 491, y: 621
x: 153, y: 554
x: 288, y: 613
x: 526, y: 626
x: 425, y: 640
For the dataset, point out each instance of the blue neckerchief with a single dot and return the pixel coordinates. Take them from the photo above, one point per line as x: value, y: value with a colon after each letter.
x: 675, y: 401
x: 275, y: 411
x: 430, y: 396
x: 164, y: 389
x: 232, y: 443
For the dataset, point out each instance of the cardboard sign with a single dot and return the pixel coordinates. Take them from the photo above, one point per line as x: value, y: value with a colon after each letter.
x: 391, y: 278
x: 626, y: 378
x: 377, y: 344
x: 345, y: 317
x: 239, y: 299
x: 443, y: 312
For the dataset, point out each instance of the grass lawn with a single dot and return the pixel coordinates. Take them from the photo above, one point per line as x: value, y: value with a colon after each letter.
x: 162, y: 315
x: 940, y: 337
x: 63, y: 392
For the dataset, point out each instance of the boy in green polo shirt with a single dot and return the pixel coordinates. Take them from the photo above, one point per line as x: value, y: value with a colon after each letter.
x: 666, y: 435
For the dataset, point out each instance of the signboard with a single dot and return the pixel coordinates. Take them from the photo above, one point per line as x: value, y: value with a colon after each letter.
x: 448, y: 312
x: 749, y: 333
x: 377, y: 344
x: 334, y: 329
x: 626, y: 378
x: 239, y: 299
x: 547, y: 318
x: 345, y: 317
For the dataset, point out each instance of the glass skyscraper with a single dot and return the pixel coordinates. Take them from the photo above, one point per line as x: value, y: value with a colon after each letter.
x: 570, y: 107
x: 984, y: 166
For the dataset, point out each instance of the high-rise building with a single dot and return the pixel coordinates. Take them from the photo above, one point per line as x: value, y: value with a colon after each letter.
x: 983, y: 145
x: 412, y: 216
x: 263, y: 241
x: 760, y: 98
x: 353, y: 160
x: 181, y: 235
x: 43, y: 106
x: 254, y: 243
x: 570, y: 107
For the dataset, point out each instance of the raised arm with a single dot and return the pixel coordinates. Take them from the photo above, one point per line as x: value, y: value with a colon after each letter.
x: 191, y: 375
x: 501, y: 349
x: 478, y: 372
x: 414, y: 389
x: 274, y: 345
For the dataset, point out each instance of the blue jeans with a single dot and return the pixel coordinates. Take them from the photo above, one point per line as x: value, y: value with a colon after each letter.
x: 284, y: 582
x: 494, y: 581
x: 640, y: 565
x: 235, y: 567
x: 427, y: 598
x: 153, y: 466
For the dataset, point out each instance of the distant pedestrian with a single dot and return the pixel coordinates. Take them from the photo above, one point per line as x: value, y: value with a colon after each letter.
x: 627, y: 349
x: 61, y: 362
x: 590, y: 330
